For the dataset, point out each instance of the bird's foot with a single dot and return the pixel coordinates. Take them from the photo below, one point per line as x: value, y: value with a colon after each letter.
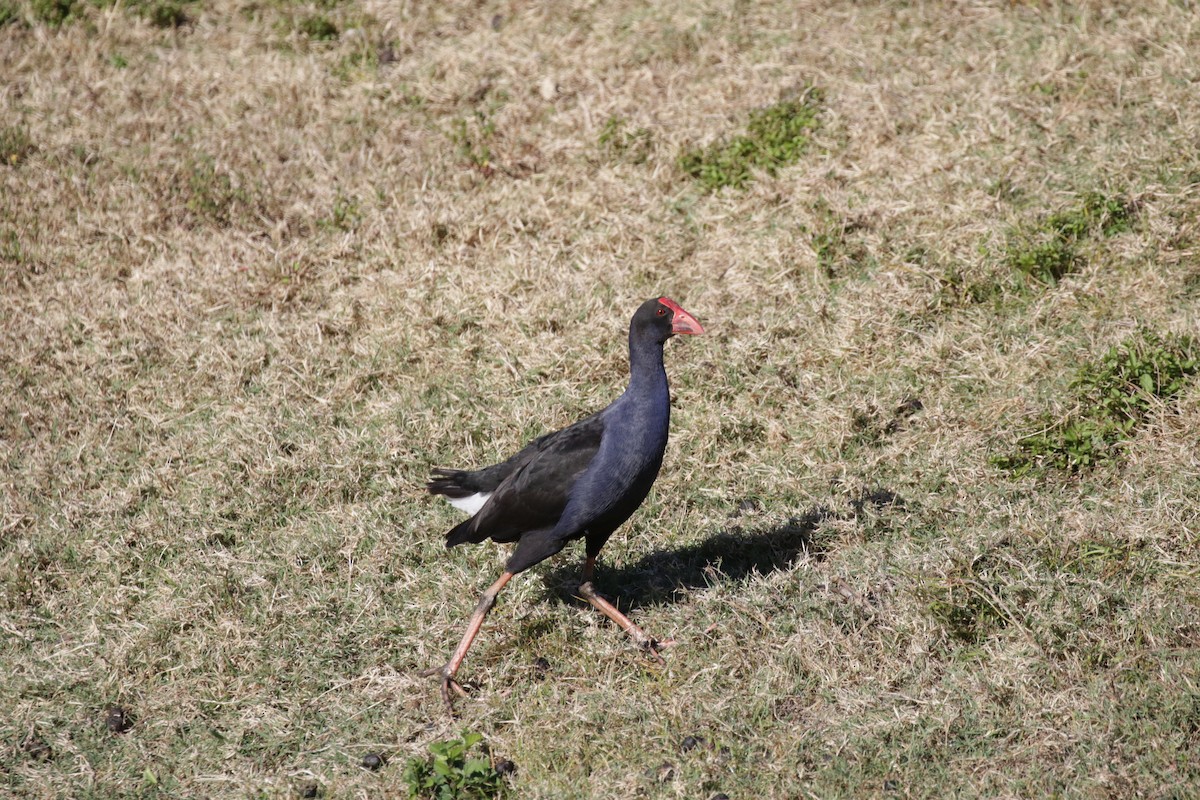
x: 654, y: 647
x: 448, y: 683
x: 657, y: 645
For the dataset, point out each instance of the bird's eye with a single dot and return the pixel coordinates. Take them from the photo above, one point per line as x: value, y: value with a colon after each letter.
x: 661, y: 311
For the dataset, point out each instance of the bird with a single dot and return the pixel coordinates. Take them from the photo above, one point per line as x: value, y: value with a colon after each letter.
x: 583, y: 481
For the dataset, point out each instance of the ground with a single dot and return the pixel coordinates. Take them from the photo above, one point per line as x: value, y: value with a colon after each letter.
x: 264, y: 264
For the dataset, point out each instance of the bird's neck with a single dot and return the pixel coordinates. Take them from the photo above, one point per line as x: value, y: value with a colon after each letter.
x: 647, y: 376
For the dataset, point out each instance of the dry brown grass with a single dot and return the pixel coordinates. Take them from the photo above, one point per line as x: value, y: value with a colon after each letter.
x: 253, y: 286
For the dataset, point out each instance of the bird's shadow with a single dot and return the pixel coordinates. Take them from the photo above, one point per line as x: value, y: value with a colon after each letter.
x: 666, y: 576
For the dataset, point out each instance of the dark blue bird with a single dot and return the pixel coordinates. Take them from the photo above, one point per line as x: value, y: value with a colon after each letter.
x: 580, y: 482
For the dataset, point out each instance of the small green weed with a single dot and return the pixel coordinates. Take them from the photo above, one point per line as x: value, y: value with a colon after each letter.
x: 318, y: 27
x: 344, y: 216
x: 775, y: 137
x: 15, y: 145
x: 1114, y: 396
x: 619, y: 142
x: 215, y: 194
x: 472, y: 138
x: 452, y: 773
x: 1050, y: 251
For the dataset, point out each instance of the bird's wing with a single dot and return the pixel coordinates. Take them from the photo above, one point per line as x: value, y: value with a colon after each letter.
x: 536, y: 485
x: 458, y: 483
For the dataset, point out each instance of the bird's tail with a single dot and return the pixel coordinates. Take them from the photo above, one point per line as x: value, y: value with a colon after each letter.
x: 450, y: 482
x: 455, y: 485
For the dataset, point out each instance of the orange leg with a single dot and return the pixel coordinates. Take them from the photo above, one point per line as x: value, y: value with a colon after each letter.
x: 486, y: 601
x: 588, y: 592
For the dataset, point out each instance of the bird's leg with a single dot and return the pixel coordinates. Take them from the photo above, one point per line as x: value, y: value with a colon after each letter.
x: 588, y: 592
x: 486, y: 601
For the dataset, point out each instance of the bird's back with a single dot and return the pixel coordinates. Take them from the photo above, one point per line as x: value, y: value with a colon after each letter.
x: 529, y: 490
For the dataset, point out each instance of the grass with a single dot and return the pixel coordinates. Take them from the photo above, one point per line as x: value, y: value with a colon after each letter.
x: 252, y: 289
x: 317, y: 27
x: 1113, y: 398
x: 970, y: 603
x: 10, y: 14
x: 776, y: 136
x: 619, y: 143
x: 472, y: 139
x: 216, y: 195
x: 15, y: 145
x: 1050, y: 251
x: 53, y: 12
x: 166, y: 14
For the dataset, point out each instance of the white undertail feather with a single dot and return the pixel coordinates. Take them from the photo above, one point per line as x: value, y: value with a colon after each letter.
x: 471, y: 504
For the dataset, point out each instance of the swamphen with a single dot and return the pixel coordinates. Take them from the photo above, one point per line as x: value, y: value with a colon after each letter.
x: 580, y: 482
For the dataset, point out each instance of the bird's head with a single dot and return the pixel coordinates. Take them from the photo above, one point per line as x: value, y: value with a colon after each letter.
x: 661, y: 318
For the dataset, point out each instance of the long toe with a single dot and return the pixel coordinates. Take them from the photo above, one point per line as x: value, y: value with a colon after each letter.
x: 449, y: 683
x: 653, y: 646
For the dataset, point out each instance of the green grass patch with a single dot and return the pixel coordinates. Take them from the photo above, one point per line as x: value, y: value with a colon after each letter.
x: 872, y: 426
x: 11, y: 249
x: 1050, y: 250
x: 974, y: 600
x: 9, y: 14
x: 218, y: 195
x: 958, y: 287
x: 1096, y: 215
x: 345, y: 215
x: 363, y: 61
x: 472, y: 138
x: 1091, y: 558
x: 619, y: 143
x: 1046, y: 261
x: 317, y: 27
x: 1112, y: 398
x: 452, y: 772
x: 840, y: 252
x: 775, y: 137
x: 159, y: 13
x: 53, y: 12
x: 164, y: 14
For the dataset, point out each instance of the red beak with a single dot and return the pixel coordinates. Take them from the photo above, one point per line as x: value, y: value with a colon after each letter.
x: 682, y: 321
